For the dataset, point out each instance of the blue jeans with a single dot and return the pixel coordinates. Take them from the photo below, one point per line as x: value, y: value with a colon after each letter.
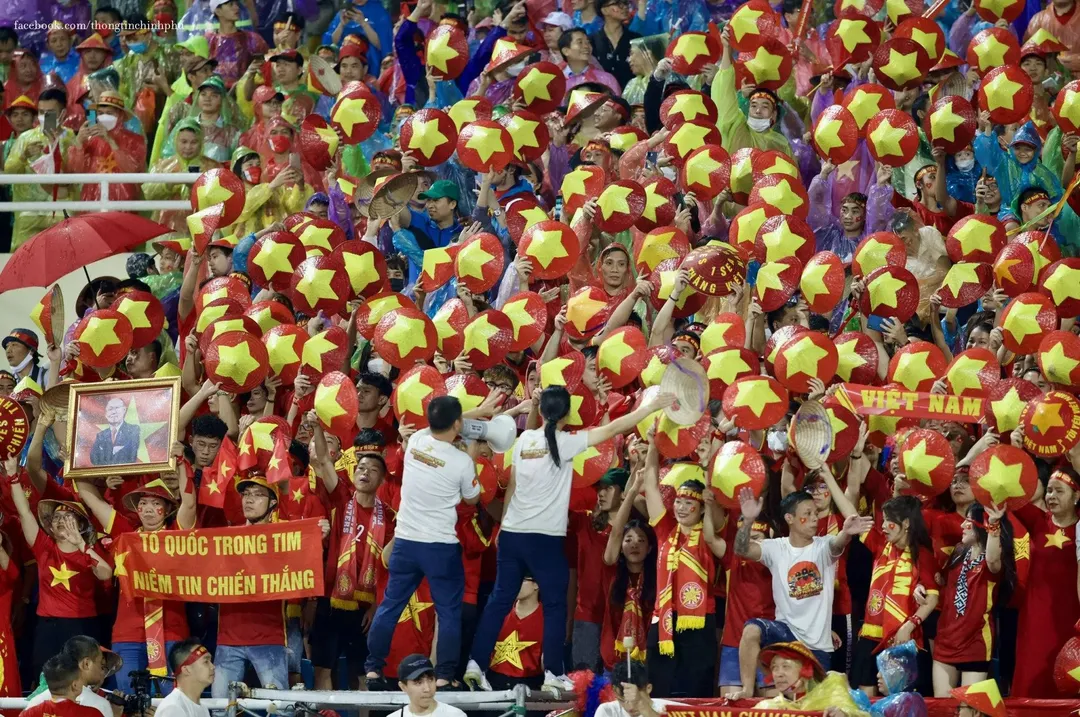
x: 294, y: 647
x: 774, y: 631
x: 410, y: 563
x: 134, y: 656
x: 268, y: 661
x: 542, y: 557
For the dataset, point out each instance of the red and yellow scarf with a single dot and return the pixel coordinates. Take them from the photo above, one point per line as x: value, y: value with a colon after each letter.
x: 353, y: 586
x: 633, y: 621
x: 687, y: 562
x: 891, y: 601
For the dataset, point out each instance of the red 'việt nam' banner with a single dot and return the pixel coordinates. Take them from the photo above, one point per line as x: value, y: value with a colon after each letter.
x: 251, y: 563
x: 875, y: 401
x: 677, y: 711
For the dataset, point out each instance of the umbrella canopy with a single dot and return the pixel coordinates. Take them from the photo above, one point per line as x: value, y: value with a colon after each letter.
x: 74, y: 243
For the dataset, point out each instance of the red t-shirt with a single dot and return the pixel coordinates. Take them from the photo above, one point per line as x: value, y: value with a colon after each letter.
x: 892, y: 586
x: 519, y: 650
x: 129, y: 625
x: 339, y: 503
x: 244, y: 624
x: 841, y: 592
x: 594, y: 577
x: 749, y: 596
x: 63, y: 708
x: 66, y: 583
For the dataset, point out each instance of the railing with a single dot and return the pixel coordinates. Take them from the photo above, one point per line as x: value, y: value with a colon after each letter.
x: 104, y: 181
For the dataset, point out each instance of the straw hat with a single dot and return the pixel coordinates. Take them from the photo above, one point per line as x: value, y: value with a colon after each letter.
x: 153, y: 489
x: 687, y: 380
x: 111, y: 100
x: 810, y: 432
x: 48, y: 507
x: 392, y: 194
x: 58, y: 397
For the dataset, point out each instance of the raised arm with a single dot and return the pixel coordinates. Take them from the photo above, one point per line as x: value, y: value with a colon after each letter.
x: 186, y: 516
x: 751, y: 509
x: 708, y: 528
x: 26, y: 516
x: 627, y: 422
x: 91, y: 498
x: 622, y: 516
x: 324, y: 467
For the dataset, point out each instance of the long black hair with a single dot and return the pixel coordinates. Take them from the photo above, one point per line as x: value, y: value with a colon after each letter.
x: 908, y: 507
x: 554, y: 405
x: 648, y: 569
x: 977, y: 515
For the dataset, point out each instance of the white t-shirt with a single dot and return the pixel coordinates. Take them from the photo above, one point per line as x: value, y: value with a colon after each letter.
x: 615, y: 709
x: 435, y: 478
x: 541, y: 496
x: 177, y: 704
x: 441, y: 710
x: 802, y: 587
x: 87, y: 698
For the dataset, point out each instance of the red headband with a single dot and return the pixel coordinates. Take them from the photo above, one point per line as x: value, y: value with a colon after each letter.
x: 1066, y: 479
x: 194, y: 657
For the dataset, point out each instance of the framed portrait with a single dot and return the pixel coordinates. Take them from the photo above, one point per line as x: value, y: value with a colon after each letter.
x: 122, y: 427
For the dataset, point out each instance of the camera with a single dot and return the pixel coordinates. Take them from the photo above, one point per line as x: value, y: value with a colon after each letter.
x: 139, y: 702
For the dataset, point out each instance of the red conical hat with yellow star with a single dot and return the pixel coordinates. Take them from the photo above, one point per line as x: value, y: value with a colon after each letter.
x: 273, y: 259
x: 1042, y: 43
x: 323, y: 352
x: 450, y: 323
x: 965, y: 283
x: 215, y: 310
x: 529, y: 133
x: 675, y: 440
x: 1043, y: 247
x: 356, y: 113
x: 565, y: 370
x: 487, y: 339
x: 522, y: 213
x: 726, y: 329
x: 993, y: 10
x: 744, y: 226
x: 371, y: 311
x: 622, y: 356
x: 145, y: 313
x: 755, y: 402
x: 227, y: 324
x: 469, y: 110
x: 413, y: 392
x: 865, y: 101
x: 809, y: 355
x: 751, y: 23
x: 949, y: 61
x: 925, y: 32
x: 767, y: 66
x: 783, y: 237
x: 1059, y: 357
x: 104, y: 338
x: 950, y: 123
x: 688, y: 137
x: 674, y: 475
x: 405, y: 336
x: 1006, y: 93
x: 618, y: 206
x: 1014, y: 269
x: 237, y: 360
x: 528, y: 314
x: 725, y: 366
x: 892, y: 137
x: 822, y: 282
x: 1006, y: 400
x: 582, y: 184
x: 284, y: 349
x: 1067, y: 107
x: 203, y: 224
x: 973, y: 372
x: 479, y: 262
x: 897, y: 10
x: 1026, y: 320
x: 1066, y: 676
x: 1051, y: 424
x: 659, y: 358
x: 836, y: 134
x: 364, y: 267
x: 891, y: 291
x: 446, y: 52
x: 771, y: 351
x: 438, y: 267
x: 590, y: 465
x: 506, y: 52
x: 583, y: 408
x: 484, y: 146
x: 917, y: 366
x: 319, y: 236
x: 736, y: 466
x: 268, y: 314
x: 663, y: 282
x: 851, y: 38
x: 857, y: 356
x: 777, y: 282
x: 336, y: 405
x: 541, y: 86
x: 976, y: 238
x: 320, y: 284
x: 901, y: 62
x: 706, y: 171
x: 868, y: 8
x: 298, y: 219
x: 764, y: 163
x: 626, y: 136
x: 48, y: 314
x: 587, y: 310
x: 992, y: 47
x: 784, y: 193
x: 691, y: 51
x: 1004, y: 476
x: 582, y: 103
x: 430, y: 135
x: 845, y: 429
x: 659, y: 210
x: 1061, y: 282
x: 552, y: 247
x: 219, y: 186
x: 662, y: 243
x: 687, y: 106
x: 317, y: 142
x: 469, y: 389
x: 743, y: 173
x: 927, y: 461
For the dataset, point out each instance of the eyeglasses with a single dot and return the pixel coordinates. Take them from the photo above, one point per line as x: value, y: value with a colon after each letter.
x: 253, y: 494
x: 496, y: 386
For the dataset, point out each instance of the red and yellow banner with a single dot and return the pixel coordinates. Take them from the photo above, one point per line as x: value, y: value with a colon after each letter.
x: 677, y: 711
x: 273, y: 561
x: 875, y: 401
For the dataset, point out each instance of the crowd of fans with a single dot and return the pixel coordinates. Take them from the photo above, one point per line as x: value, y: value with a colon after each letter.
x: 686, y: 140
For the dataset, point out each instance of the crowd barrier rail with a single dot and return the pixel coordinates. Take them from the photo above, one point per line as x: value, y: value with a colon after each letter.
x: 104, y: 181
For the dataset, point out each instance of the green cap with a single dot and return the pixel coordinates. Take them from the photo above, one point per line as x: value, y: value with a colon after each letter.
x: 243, y: 152
x: 617, y: 477
x: 214, y: 82
x: 196, y: 45
x: 442, y: 189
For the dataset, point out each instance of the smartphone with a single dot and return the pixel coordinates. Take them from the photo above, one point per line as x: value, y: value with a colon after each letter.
x: 50, y: 122
x: 650, y: 158
x: 294, y: 161
x: 193, y: 168
x: 877, y: 323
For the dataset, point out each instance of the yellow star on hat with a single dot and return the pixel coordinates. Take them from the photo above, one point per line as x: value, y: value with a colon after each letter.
x: 812, y: 282
x: 236, y: 362
x: 918, y: 464
x: 535, y: 85
x: 827, y: 135
x: 1021, y: 321
x: 755, y: 394
x: 407, y: 334
x: 726, y: 365
x: 997, y: 8
x: 928, y: 40
x: 901, y: 67
x: 99, y: 334
x: 410, y: 395
x: 361, y: 270
x: 315, y: 285
x: 426, y: 136
x: 1000, y: 92
x: 887, y: 138
x: 714, y: 336
x: 1070, y: 106
x: 574, y: 182
x: 769, y: 277
x: 281, y: 349
x: 583, y: 308
x: 782, y: 242
x: 912, y: 369
x: 478, y: 335
x: 864, y: 105
x: 699, y: 167
x: 614, y: 200
x: 849, y: 359
x: 315, y: 236
x: 764, y: 66
x: 974, y: 236
x: 135, y: 311
x: 486, y: 141
x: 852, y: 33
x: 273, y: 258
x: 523, y: 132
x: 1002, y: 480
x: 314, y: 349
x: 691, y: 46
x: 728, y: 474
x: 781, y: 196
x: 612, y: 352
x: 964, y: 374
x: 883, y: 290
x: 551, y: 372
x: 1063, y: 283
x: 327, y: 407
x: 546, y: 247
x: 689, y: 137
x: 943, y: 122
x: 991, y: 52
x: 1057, y: 366
x: 463, y: 112
x: 433, y: 259
x: 439, y: 52
x: 749, y: 225
x: 211, y: 192
x: 689, y: 106
x: 471, y: 260
x: 804, y: 357
x: 519, y: 317
x: 350, y: 112
x: 1047, y: 416
x: 744, y: 22
x: 959, y: 275
x: 1007, y: 409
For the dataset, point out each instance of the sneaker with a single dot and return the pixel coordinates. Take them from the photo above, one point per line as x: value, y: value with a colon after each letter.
x: 475, y: 678
x: 557, y: 682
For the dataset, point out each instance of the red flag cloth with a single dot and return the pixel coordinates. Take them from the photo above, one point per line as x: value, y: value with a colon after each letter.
x: 217, y: 480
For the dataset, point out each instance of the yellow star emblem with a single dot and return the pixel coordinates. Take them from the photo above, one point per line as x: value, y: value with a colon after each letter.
x: 726, y: 365
x: 329, y: 136
x: 261, y: 435
x: 827, y: 135
x: 509, y: 650
x: 317, y: 237
x: 583, y: 308
x: 1070, y: 106
x: 314, y: 349
x: 546, y: 247
x: 852, y: 33
x: 975, y: 236
x: 1000, y: 92
x: 964, y: 374
x: 1057, y: 539
x: 439, y: 52
x: 689, y: 106
x: 887, y: 138
x: 315, y: 285
x: 883, y: 290
x: 519, y: 317
x: 297, y: 495
x: 407, y: 334
x: 699, y: 167
x: 689, y: 137
x: 361, y: 270
x: 803, y: 357
x: 728, y: 474
x: 928, y: 41
x: 918, y: 464
x: 350, y: 112
x: 99, y: 334
x: 612, y: 352
x: 119, y: 569
x: 273, y: 258
x: 62, y: 576
x: 715, y: 336
x: 582, y: 458
x: 1063, y: 283
x: 281, y: 349
x: 135, y: 311
x: 1021, y: 321
x: 463, y: 112
x: 849, y: 359
x: 943, y: 122
x: 211, y: 192
x: 551, y: 372
x: 1007, y: 410
x: 1002, y: 481
x: 988, y: 687
x: 755, y: 394
x: 410, y: 395
x: 901, y: 67
x: 781, y: 196
x: 743, y: 23
x: 478, y: 334
x: 522, y: 132
x: 812, y: 283
x: 690, y: 46
x: 326, y: 403
x: 1057, y: 366
x: 614, y: 199
x: 535, y: 85
x: 433, y: 259
x: 764, y: 66
x: 991, y: 53
x: 236, y: 362
x: 769, y: 277
x: 749, y: 225
x: 471, y: 260
x: 574, y: 182
x: 864, y: 105
x: 1047, y: 416
x: 959, y: 275
x: 486, y: 141
x: 781, y: 242
x: 912, y: 369
x: 426, y: 136
x: 997, y: 8
x: 838, y: 425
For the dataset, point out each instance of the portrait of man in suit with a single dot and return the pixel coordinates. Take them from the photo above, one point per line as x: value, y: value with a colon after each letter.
x: 119, y: 443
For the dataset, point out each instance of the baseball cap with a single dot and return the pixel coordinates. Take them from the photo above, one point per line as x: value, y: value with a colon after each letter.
x: 215, y: 4
x: 558, y: 19
x: 614, y: 476
x: 442, y: 189
x: 292, y: 55
x: 26, y: 337
x: 196, y: 45
x: 414, y: 667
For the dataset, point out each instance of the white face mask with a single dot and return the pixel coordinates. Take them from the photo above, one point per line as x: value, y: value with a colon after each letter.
x: 515, y: 70
x: 758, y: 125
x: 107, y: 121
x: 777, y: 441
x: 965, y: 164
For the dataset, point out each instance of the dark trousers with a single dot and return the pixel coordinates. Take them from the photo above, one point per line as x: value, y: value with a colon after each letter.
x: 53, y: 632
x: 410, y: 563
x: 542, y: 557
x: 691, y: 671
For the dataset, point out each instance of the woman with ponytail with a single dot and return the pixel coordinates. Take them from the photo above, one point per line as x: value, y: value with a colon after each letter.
x: 534, y: 528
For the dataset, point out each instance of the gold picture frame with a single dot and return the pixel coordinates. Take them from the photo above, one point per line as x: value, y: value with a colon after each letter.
x: 103, y: 441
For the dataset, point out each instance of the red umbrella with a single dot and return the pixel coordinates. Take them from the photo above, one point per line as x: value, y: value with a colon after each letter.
x: 73, y: 244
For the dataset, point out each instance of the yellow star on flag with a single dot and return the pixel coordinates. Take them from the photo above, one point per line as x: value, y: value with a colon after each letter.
x: 744, y: 22
x: 1021, y: 321
x: 535, y: 85
x: 827, y: 135
x: 62, y: 576
x: 99, y: 334
x: 1047, y: 416
x: 901, y: 67
x: 478, y: 335
x: 887, y: 138
x: 426, y: 136
x: 727, y: 473
x: 583, y: 308
x: 804, y: 356
x: 1057, y: 366
x: 691, y: 46
x: 974, y: 236
x: 964, y: 374
x: 410, y: 395
x: 471, y: 260
x: 135, y: 311
x: 852, y: 33
x: 781, y: 242
x: 236, y: 362
x: 883, y: 290
x: 509, y: 650
x: 361, y: 270
x: 769, y: 277
x: 439, y: 52
x: 726, y: 366
x: 119, y: 569
x: 1070, y: 106
x: 689, y: 106
x: 273, y: 258
x: 546, y: 247
x: 486, y: 141
x: 913, y: 369
x: 297, y: 495
x: 781, y: 196
x: 764, y: 66
x: 812, y: 282
x: 918, y: 464
x: 1058, y: 539
x: 699, y: 167
x: 1063, y: 283
x: 1007, y: 410
x: 350, y: 112
x: 864, y: 105
x: 1000, y: 92
x: 315, y: 285
x: 519, y: 317
x: 960, y: 274
x: 407, y: 334
x: 689, y: 137
x: 613, y: 199
x: 849, y: 359
x: 326, y: 403
x: 281, y: 348
x: 991, y: 52
x: 1002, y: 481
x: 212, y: 193
x: 943, y: 122
x: 755, y: 394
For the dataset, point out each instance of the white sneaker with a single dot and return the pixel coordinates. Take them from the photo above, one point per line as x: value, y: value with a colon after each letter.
x: 557, y: 682
x: 475, y: 678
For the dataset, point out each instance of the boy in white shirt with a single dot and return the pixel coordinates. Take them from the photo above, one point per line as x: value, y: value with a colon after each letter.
x: 633, y: 690
x: 416, y: 678
x: 193, y: 667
